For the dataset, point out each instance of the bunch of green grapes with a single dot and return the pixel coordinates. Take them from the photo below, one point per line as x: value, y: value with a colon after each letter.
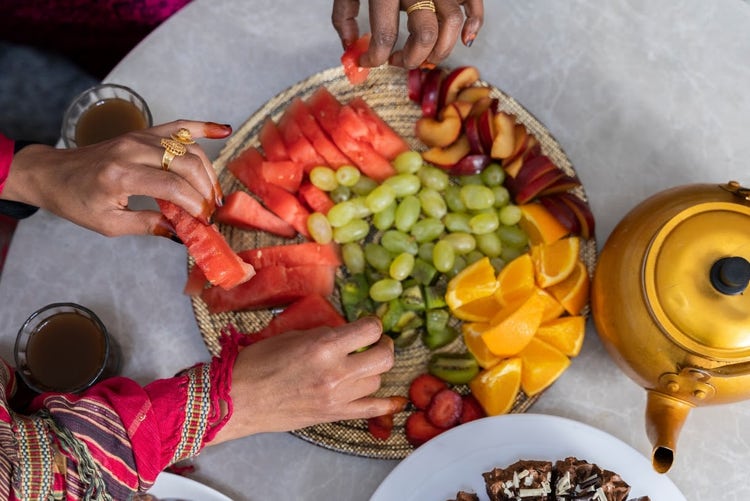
x: 415, y: 226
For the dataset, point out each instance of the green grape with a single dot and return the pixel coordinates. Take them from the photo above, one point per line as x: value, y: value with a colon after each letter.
x: 473, y: 256
x: 396, y: 242
x: 433, y: 203
x: 340, y: 193
x: 359, y: 207
x: 502, y: 196
x: 433, y: 177
x: 354, y: 257
x: 485, y: 222
x: 498, y: 263
x: 476, y: 197
x: 404, y: 184
x: 489, y: 244
x: 469, y: 180
x: 385, y: 290
x: 377, y: 257
x: 462, y: 242
x: 425, y: 251
x: 340, y: 214
x: 401, y: 266
x: 354, y: 230
x: 427, y: 229
x: 347, y: 175
x: 510, y: 215
x: 385, y: 218
x: 459, y: 263
x: 443, y: 256
x: 457, y: 221
x: 512, y: 236
x: 319, y: 228
x: 452, y: 195
x: 407, y: 212
x: 364, y: 186
x: 380, y: 198
x: 510, y: 253
x: 324, y: 178
x: 493, y: 175
x: 408, y: 162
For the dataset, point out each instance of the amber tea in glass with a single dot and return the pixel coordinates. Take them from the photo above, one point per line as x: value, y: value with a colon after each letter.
x: 64, y: 347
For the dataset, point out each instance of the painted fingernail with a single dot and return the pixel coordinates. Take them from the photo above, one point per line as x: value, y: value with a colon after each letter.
x: 470, y: 39
x: 212, y: 130
x: 218, y: 195
x: 426, y: 65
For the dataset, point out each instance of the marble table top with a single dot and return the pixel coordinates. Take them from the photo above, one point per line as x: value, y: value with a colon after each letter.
x: 641, y: 95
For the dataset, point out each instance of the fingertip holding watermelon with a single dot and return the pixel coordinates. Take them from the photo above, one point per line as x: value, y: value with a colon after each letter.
x: 350, y: 60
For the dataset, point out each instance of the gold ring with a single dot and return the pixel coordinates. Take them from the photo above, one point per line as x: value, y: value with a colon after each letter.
x: 172, y: 148
x: 183, y: 136
x: 423, y: 5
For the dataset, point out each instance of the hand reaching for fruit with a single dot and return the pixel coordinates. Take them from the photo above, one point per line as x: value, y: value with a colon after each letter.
x: 432, y: 35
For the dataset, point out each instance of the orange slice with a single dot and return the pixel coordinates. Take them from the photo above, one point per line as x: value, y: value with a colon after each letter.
x: 515, y: 280
x: 573, y: 292
x: 542, y: 365
x: 554, y: 262
x: 496, y: 388
x: 540, y: 225
x: 552, y: 307
x: 512, y: 328
x: 564, y: 333
x: 472, y: 334
x: 473, y: 282
x: 480, y: 310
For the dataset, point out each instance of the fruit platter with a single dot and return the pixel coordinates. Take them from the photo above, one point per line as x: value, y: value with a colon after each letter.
x: 428, y: 198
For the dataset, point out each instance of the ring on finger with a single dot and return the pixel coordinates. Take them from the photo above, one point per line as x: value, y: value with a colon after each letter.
x: 172, y: 148
x: 183, y: 136
x: 421, y: 5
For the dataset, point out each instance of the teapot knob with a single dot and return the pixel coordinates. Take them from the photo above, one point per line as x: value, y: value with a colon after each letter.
x: 730, y: 275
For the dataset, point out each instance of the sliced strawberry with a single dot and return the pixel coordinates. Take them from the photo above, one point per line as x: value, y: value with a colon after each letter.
x: 445, y: 408
x: 471, y: 409
x: 419, y: 430
x: 380, y: 427
x: 423, y: 388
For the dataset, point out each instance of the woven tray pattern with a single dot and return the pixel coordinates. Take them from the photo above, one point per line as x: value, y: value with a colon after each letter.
x: 385, y: 91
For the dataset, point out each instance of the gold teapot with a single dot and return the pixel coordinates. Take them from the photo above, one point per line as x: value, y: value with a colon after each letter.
x: 670, y: 304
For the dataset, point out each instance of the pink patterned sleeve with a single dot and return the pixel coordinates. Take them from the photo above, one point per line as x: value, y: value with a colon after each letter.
x: 6, y: 157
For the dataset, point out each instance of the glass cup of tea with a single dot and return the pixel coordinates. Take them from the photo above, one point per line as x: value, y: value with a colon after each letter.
x: 65, y: 347
x: 102, y: 112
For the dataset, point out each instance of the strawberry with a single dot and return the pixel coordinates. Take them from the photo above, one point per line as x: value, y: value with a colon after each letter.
x: 423, y: 388
x: 471, y: 409
x: 419, y: 430
x: 445, y: 408
x: 380, y: 427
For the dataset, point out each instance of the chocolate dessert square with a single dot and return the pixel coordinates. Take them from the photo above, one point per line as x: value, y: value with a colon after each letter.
x: 523, y: 480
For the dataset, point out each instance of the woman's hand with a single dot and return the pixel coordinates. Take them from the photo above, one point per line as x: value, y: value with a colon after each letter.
x: 90, y: 185
x: 432, y: 35
x: 303, y: 378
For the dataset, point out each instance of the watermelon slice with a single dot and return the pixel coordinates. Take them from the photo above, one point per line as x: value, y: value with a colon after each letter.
x: 350, y: 60
x: 318, y: 138
x: 315, y: 198
x: 305, y: 313
x: 285, y: 174
x: 382, y: 137
x: 270, y: 287
x: 242, y: 211
x: 271, y: 142
x: 297, y: 145
x: 219, y: 263
x: 306, y: 253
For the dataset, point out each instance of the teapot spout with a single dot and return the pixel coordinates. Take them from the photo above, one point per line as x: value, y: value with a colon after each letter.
x: 665, y: 416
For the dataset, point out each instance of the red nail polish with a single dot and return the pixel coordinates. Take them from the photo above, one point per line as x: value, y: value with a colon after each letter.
x: 212, y: 130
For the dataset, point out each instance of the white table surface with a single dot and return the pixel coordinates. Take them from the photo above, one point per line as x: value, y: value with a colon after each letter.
x: 642, y: 96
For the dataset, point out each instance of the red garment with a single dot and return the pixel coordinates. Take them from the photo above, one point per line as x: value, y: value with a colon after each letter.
x: 96, y: 34
x: 114, y: 438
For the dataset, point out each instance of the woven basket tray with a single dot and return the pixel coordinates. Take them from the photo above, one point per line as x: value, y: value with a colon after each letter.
x: 385, y: 91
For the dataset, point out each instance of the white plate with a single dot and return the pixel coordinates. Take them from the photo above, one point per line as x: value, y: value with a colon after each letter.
x: 176, y: 486
x: 456, y: 459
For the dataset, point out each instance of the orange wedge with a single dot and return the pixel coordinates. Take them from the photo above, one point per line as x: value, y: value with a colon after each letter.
x: 554, y: 262
x: 480, y: 310
x: 540, y: 225
x: 514, y: 325
x: 542, y: 365
x: 473, y: 282
x: 552, y: 307
x: 573, y: 292
x: 496, y: 388
x: 515, y: 280
x: 472, y: 334
x: 564, y: 333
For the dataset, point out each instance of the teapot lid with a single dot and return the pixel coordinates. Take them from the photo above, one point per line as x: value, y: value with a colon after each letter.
x: 696, y: 274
